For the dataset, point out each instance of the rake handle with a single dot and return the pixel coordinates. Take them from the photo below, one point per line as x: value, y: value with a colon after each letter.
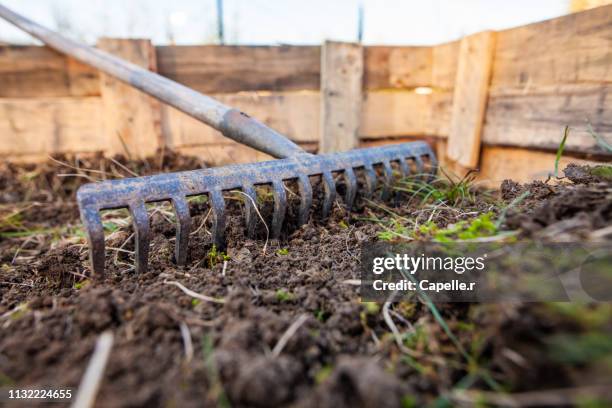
x: 230, y: 122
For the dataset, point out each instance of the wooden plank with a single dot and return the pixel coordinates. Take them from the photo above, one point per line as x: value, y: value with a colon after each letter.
x: 444, y: 70
x: 297, y: 115
x: 50, y: 125
x: 385, y: 114
x: 131, y: 118
x: 294, y: 114
x: 470, y: 98
x: 397, y: 67
x: 521, y: 165
x: 499, y: 163
x: 232, y: 153
x: 341, y: 82
x: 33, y: 71
x: 537, y: 119
x: 576, y: 48
x: 222, y: 69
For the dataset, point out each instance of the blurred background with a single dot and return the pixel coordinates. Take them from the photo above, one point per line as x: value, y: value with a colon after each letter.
x: 255, y: 22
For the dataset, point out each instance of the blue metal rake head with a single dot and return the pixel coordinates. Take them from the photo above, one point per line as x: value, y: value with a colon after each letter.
x: 133, y: 193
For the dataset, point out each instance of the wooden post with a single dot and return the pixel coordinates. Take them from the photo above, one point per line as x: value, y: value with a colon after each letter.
x: 341, y: 84
x: 470, y: 98
x: 132, y: 120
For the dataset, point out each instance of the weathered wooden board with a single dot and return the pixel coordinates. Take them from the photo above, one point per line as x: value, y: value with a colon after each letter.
x: 32, y: 71
x: 470, y: 98
x: 498, y: 163
x: 220, y: 69
x: 132, y: 119
x: 341, y: 88
x: 232, y: 153
x: 297, y: 115
x: 576, y: 48
x: 444, y: 70
x: 50, y: 125
x: 538, y: 118
x: 397, y: 67
x: 396, y: 113
x: 294, y: 114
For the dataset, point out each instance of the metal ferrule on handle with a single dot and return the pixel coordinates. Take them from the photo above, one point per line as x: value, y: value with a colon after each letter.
x: 230, y: 122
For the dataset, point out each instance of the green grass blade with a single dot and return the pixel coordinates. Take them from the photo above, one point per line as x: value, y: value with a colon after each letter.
x: 560, y: 150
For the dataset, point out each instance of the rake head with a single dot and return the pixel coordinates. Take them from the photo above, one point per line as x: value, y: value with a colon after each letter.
x: 133, y: 193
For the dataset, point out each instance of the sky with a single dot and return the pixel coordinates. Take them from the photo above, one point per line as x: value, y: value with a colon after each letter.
x: 261, y: 22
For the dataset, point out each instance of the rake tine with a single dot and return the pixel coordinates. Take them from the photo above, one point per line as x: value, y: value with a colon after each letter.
x: 140, y: 221
x: 419, y: 166
x: 217, y: 204
x: 351, y: 187
x: 388, y: 175
x: 329, y: 191
x: 404, y: 168
x: 250, y: 210
x: 405, y: 172
x: 280, y: 207
x: 305, y: 198
x: 433, y: 162
x: 183, y: 227
x: 95, y: 235
x: 370, y: 176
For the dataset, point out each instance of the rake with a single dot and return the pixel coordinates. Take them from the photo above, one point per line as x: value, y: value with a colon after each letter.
x: 293, y: 164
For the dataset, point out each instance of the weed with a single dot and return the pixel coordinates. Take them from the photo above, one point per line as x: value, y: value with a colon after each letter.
x: 603, y: 171
x: 195, y: 302
x: 198, y: 199
x: 20, y: 311
x: 342, y: 224
x: 321, y: 315
x: 408, y: 401
x: 560, y: 150
x: 284, y: 296
x: 451, y: 189
x: 214, y: 256
x: 323, y: 374
x: 397, y: 230
x: 282, y: 251
x: 80, y: 285
x: 481, y: 226
x: 371, y: 308
x: 415, y: 339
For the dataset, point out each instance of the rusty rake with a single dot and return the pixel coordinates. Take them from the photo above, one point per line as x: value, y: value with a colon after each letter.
x: 294, y: 165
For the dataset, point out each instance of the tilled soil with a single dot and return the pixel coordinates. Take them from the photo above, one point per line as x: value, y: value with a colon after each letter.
x: 286, y: 325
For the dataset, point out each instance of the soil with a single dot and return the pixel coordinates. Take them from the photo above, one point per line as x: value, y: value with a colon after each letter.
x: 171, y: 349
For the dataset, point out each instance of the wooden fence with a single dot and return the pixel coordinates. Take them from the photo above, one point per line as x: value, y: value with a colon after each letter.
x: 497, y: 101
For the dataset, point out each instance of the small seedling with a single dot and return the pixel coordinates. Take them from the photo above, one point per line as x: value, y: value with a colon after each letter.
x: 195, y: 302
x: 282, y: 251
x: 342, y: 224
x: 323, y: 374
x: 396, y: 231
x: 320, y: 315
x: 214, y: 256
x: 80, y: 285
x: 284, y: 296
x: 371, y: 308
x: 560, y: 150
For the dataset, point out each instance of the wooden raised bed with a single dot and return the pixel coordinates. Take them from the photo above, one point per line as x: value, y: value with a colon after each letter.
x: 497, y: 101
